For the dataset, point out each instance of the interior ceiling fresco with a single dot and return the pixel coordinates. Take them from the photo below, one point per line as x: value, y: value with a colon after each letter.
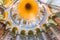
x: 29, y: 20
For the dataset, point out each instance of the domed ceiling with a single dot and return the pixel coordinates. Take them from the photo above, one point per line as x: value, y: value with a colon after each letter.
x: 29, y: 20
